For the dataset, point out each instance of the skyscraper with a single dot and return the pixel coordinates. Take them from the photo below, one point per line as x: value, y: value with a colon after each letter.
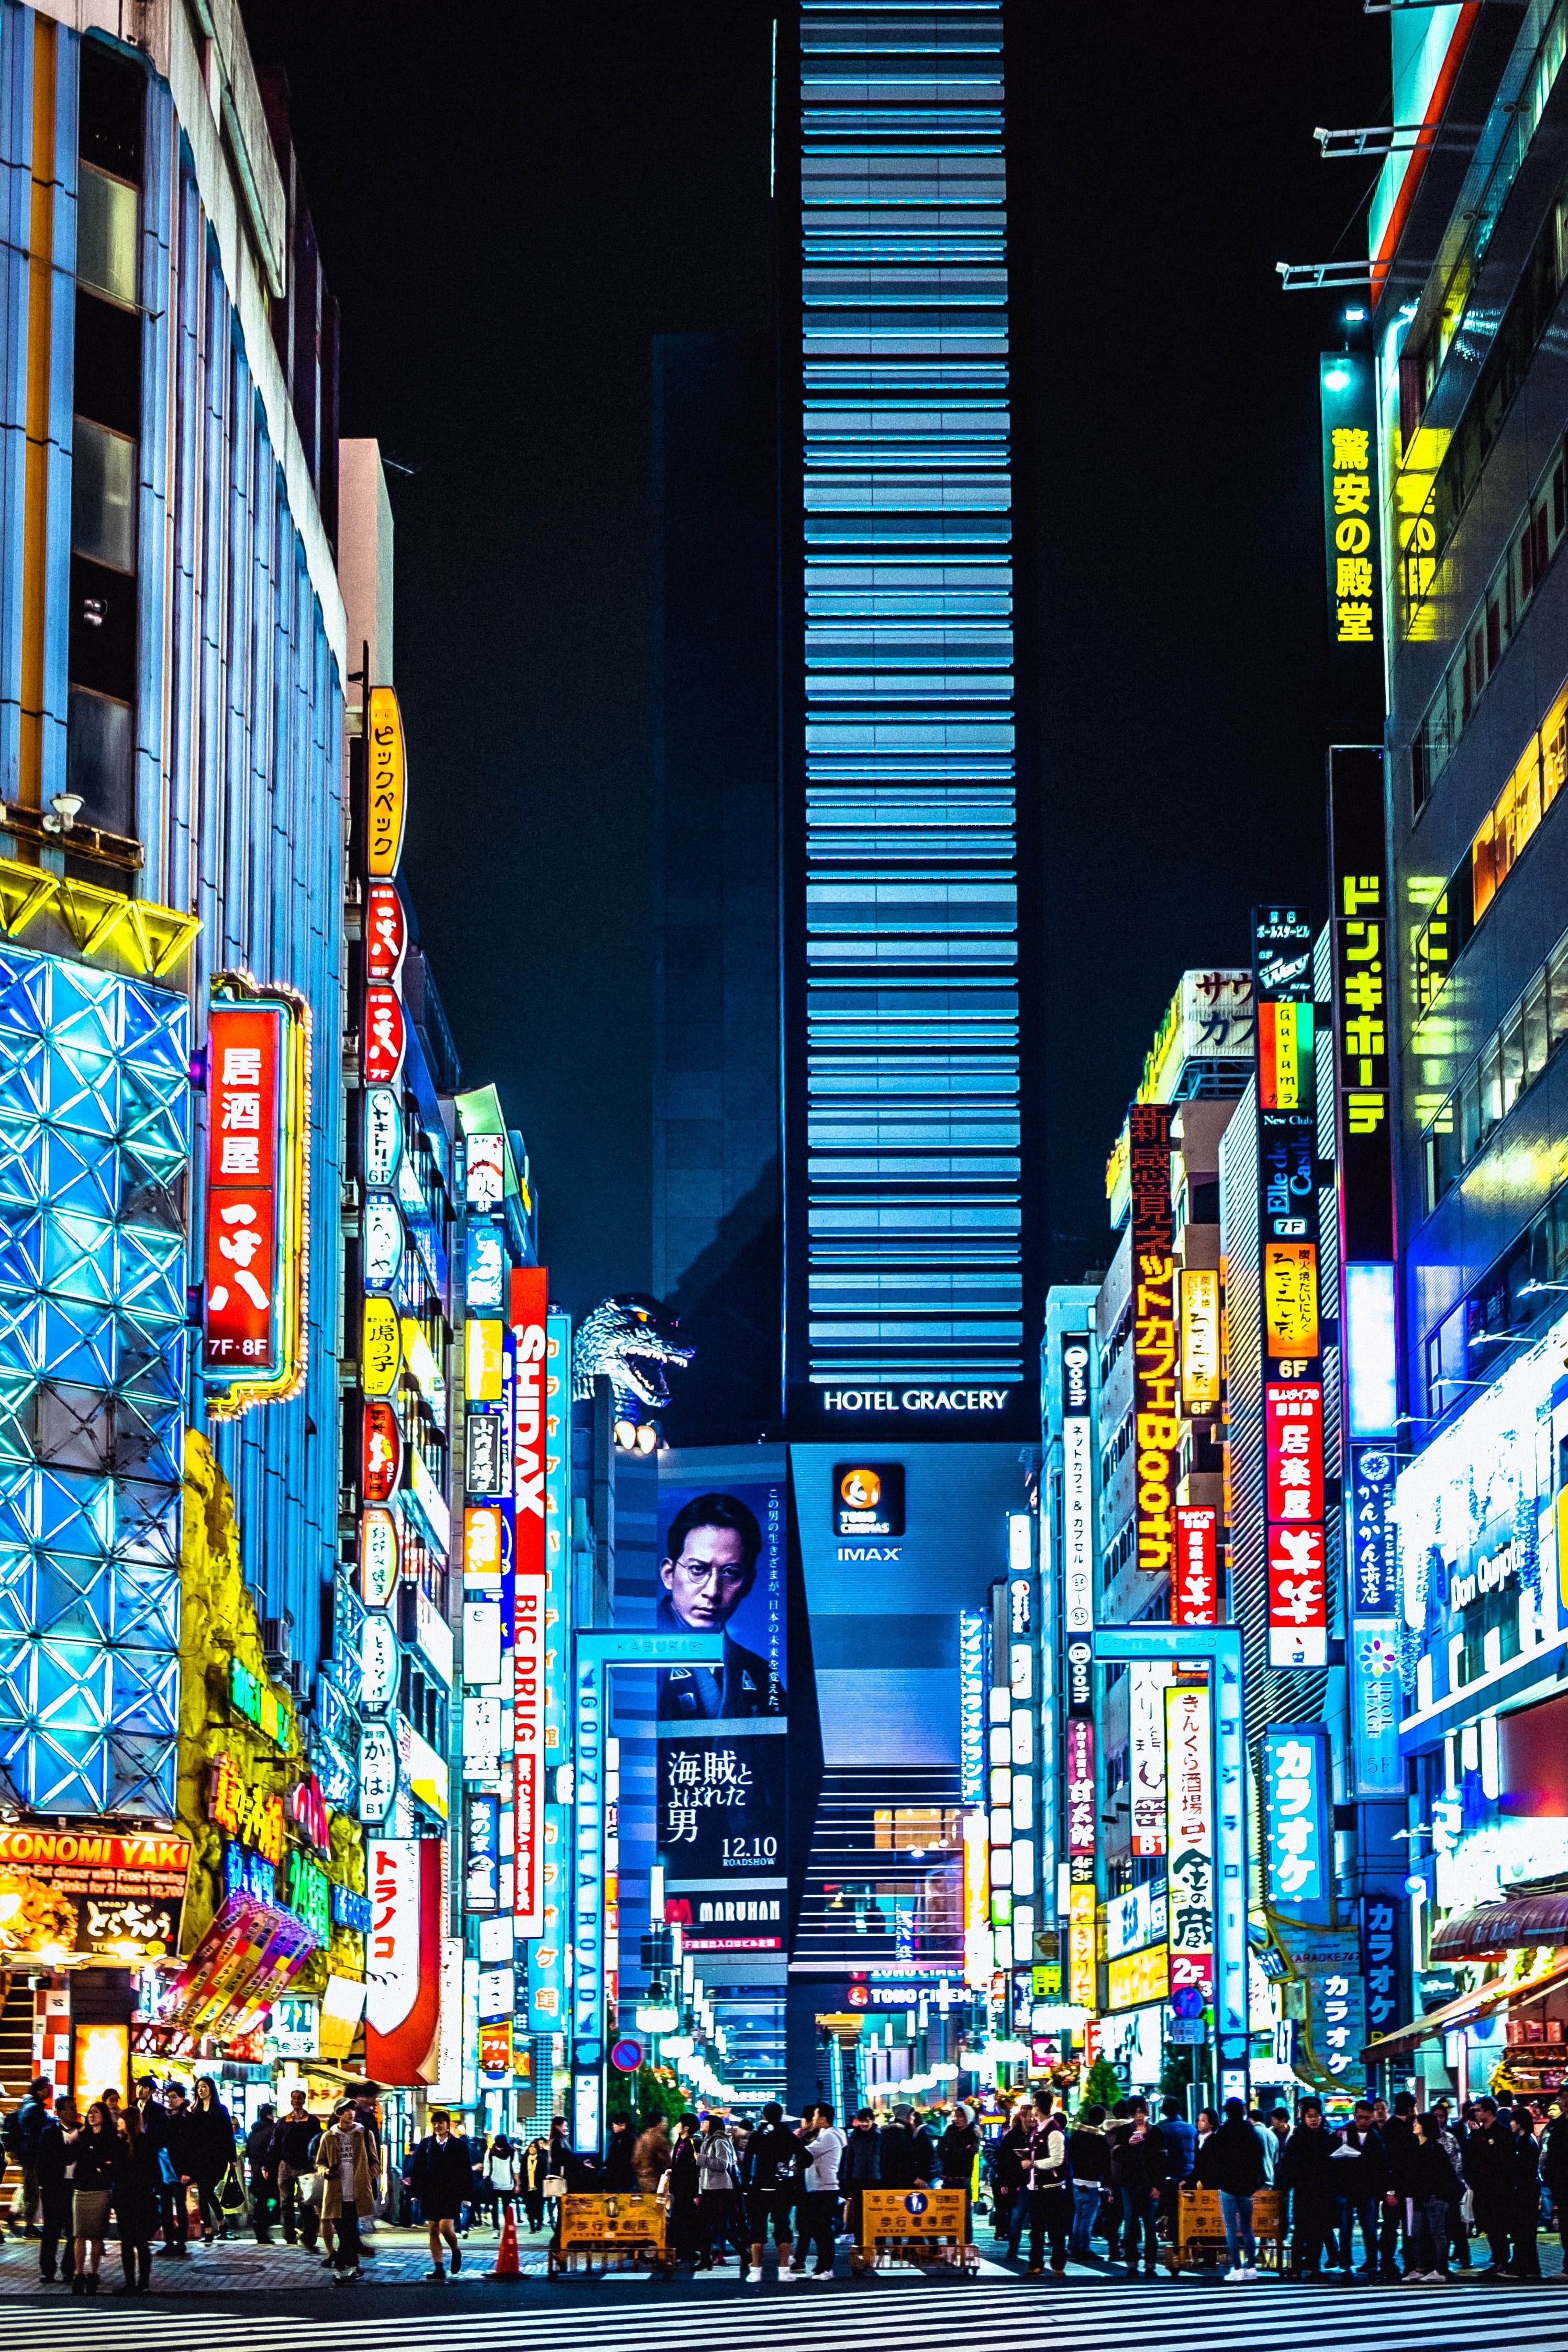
x: 847, y: 1201
x: 909, y: 911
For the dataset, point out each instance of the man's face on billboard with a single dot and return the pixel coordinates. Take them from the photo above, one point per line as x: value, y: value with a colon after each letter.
x: 706, y: 1583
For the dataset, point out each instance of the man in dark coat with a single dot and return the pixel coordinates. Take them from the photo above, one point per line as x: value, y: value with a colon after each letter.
x: 908, y: 2155
x: 440, y: 2174
x: 1489, y: 2162
x: 1361, y: 2181
x: 57, y: 2237
x: 261, y: 2164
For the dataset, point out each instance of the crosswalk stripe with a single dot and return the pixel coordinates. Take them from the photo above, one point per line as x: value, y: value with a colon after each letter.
x: 1100, y: 2316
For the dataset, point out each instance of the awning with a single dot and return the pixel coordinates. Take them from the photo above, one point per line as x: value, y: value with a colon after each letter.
x: 1455, y: 2013
x: 1502, y: 1927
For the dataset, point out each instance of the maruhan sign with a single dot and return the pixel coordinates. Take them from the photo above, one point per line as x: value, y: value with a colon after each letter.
x: 915, y: 1400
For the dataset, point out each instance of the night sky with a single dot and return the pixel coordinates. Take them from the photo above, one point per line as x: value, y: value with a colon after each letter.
x: 512, y: 199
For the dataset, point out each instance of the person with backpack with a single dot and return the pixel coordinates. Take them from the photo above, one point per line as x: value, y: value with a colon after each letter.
x: 1231, y: 2161
x: 770, y: 2173
x: 22, y: 2132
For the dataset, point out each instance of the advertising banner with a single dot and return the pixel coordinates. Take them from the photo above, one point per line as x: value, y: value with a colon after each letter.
x: 1347, y: 391
x: 1375, y: 1706
x: 402, y: 1960
x: 257, y: 1177
x: 1189, y: 1830
x: 1077, y: 1485
x: 1297, y: 1597
x: 530, y: 1304
x: 1195, y: 1593
x: 723, y: 1750
x: 1148, y: 1681
x: 1297, y: 1862
x: 1157, y: 1376
x: 117, y: 1895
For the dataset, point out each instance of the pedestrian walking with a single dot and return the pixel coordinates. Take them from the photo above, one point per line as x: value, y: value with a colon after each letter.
x: 294, y: 2138
x: 718, y: 2183
x: 89, y: 2168
x: 1046, y: 2186
x: 343, y: 2160
x: 57, y: 2241
x: 138, y: 2190
x: 1489, y: 2171
x: 23, y: 2133
x: 1524, y: 2198
x: 211, y: 2148
x: 683, y: 2235
x: 618, y: 2171
x: 860, y: 2168
x: 502, y: 2170
x: 824, y: 2146
x: 1306, y: 2169
x: 440, y: 2176
x: 908, y: 2152
x: 261, y: 2172
x: 651, y: 2156
x: 175, y: 2163
x: 957, y: 2152
x: 770, y: 2173
x: 1435, y: 2189
x: 534, y: 2166
x: 1089, y: 2161
x: 1361, y: 2181
x: 1007, y: 2181
x: 1231, y: 2161
x: 1398, y: 2127
x: 1135, y: 2160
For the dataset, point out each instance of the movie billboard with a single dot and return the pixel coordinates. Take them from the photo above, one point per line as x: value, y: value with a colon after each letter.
x: 722, y: 1730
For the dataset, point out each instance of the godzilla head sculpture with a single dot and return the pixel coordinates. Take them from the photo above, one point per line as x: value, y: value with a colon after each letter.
x: 629, y: 1339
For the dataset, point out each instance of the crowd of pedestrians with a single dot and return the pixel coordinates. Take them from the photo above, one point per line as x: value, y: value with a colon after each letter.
x: 1413, y: 2186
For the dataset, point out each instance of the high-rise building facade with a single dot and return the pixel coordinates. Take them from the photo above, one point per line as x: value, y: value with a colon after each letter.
x: 1471, y: 263
x: 910, y: 906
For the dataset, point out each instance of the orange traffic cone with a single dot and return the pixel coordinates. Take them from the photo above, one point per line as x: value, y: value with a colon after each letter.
x: 506, y: 2265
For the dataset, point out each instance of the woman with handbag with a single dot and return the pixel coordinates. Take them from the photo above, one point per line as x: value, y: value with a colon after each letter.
x: 559, y: 2175
x: 138, y: 2193
x: 212, y: 2161
x: 90, y: 2169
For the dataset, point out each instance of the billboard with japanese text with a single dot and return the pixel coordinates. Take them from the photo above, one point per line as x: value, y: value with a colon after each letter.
x: 722, y: 1743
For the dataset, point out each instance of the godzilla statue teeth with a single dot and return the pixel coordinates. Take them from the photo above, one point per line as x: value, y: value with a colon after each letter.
x: 629, y: 1339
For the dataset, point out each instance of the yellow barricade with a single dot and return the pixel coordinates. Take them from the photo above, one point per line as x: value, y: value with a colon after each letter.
x: 611, y: 2227
x: 914, y: 2225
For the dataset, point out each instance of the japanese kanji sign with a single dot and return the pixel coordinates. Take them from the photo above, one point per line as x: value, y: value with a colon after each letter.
x: 256, y: 1137
x: 1297, y: 1597
x: 1156, y: 1372
x: 1296, y: 1800
x: 1363, y: 969
x: 1294, y: 1419
x: 403, y: 1958
x: 1350, y: 535
x: 386, y: 784
x: 1195, y: 1593
x: 1190, y: 1833
x: 386, y: 933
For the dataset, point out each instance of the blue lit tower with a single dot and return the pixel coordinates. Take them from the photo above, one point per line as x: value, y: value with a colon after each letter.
x: 911, y: 1178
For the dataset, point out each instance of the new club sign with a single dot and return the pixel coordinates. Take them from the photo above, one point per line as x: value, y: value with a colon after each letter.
x: 253, y: 1343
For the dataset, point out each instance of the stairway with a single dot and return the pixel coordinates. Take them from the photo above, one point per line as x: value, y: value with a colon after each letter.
x: 16, y: 2042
